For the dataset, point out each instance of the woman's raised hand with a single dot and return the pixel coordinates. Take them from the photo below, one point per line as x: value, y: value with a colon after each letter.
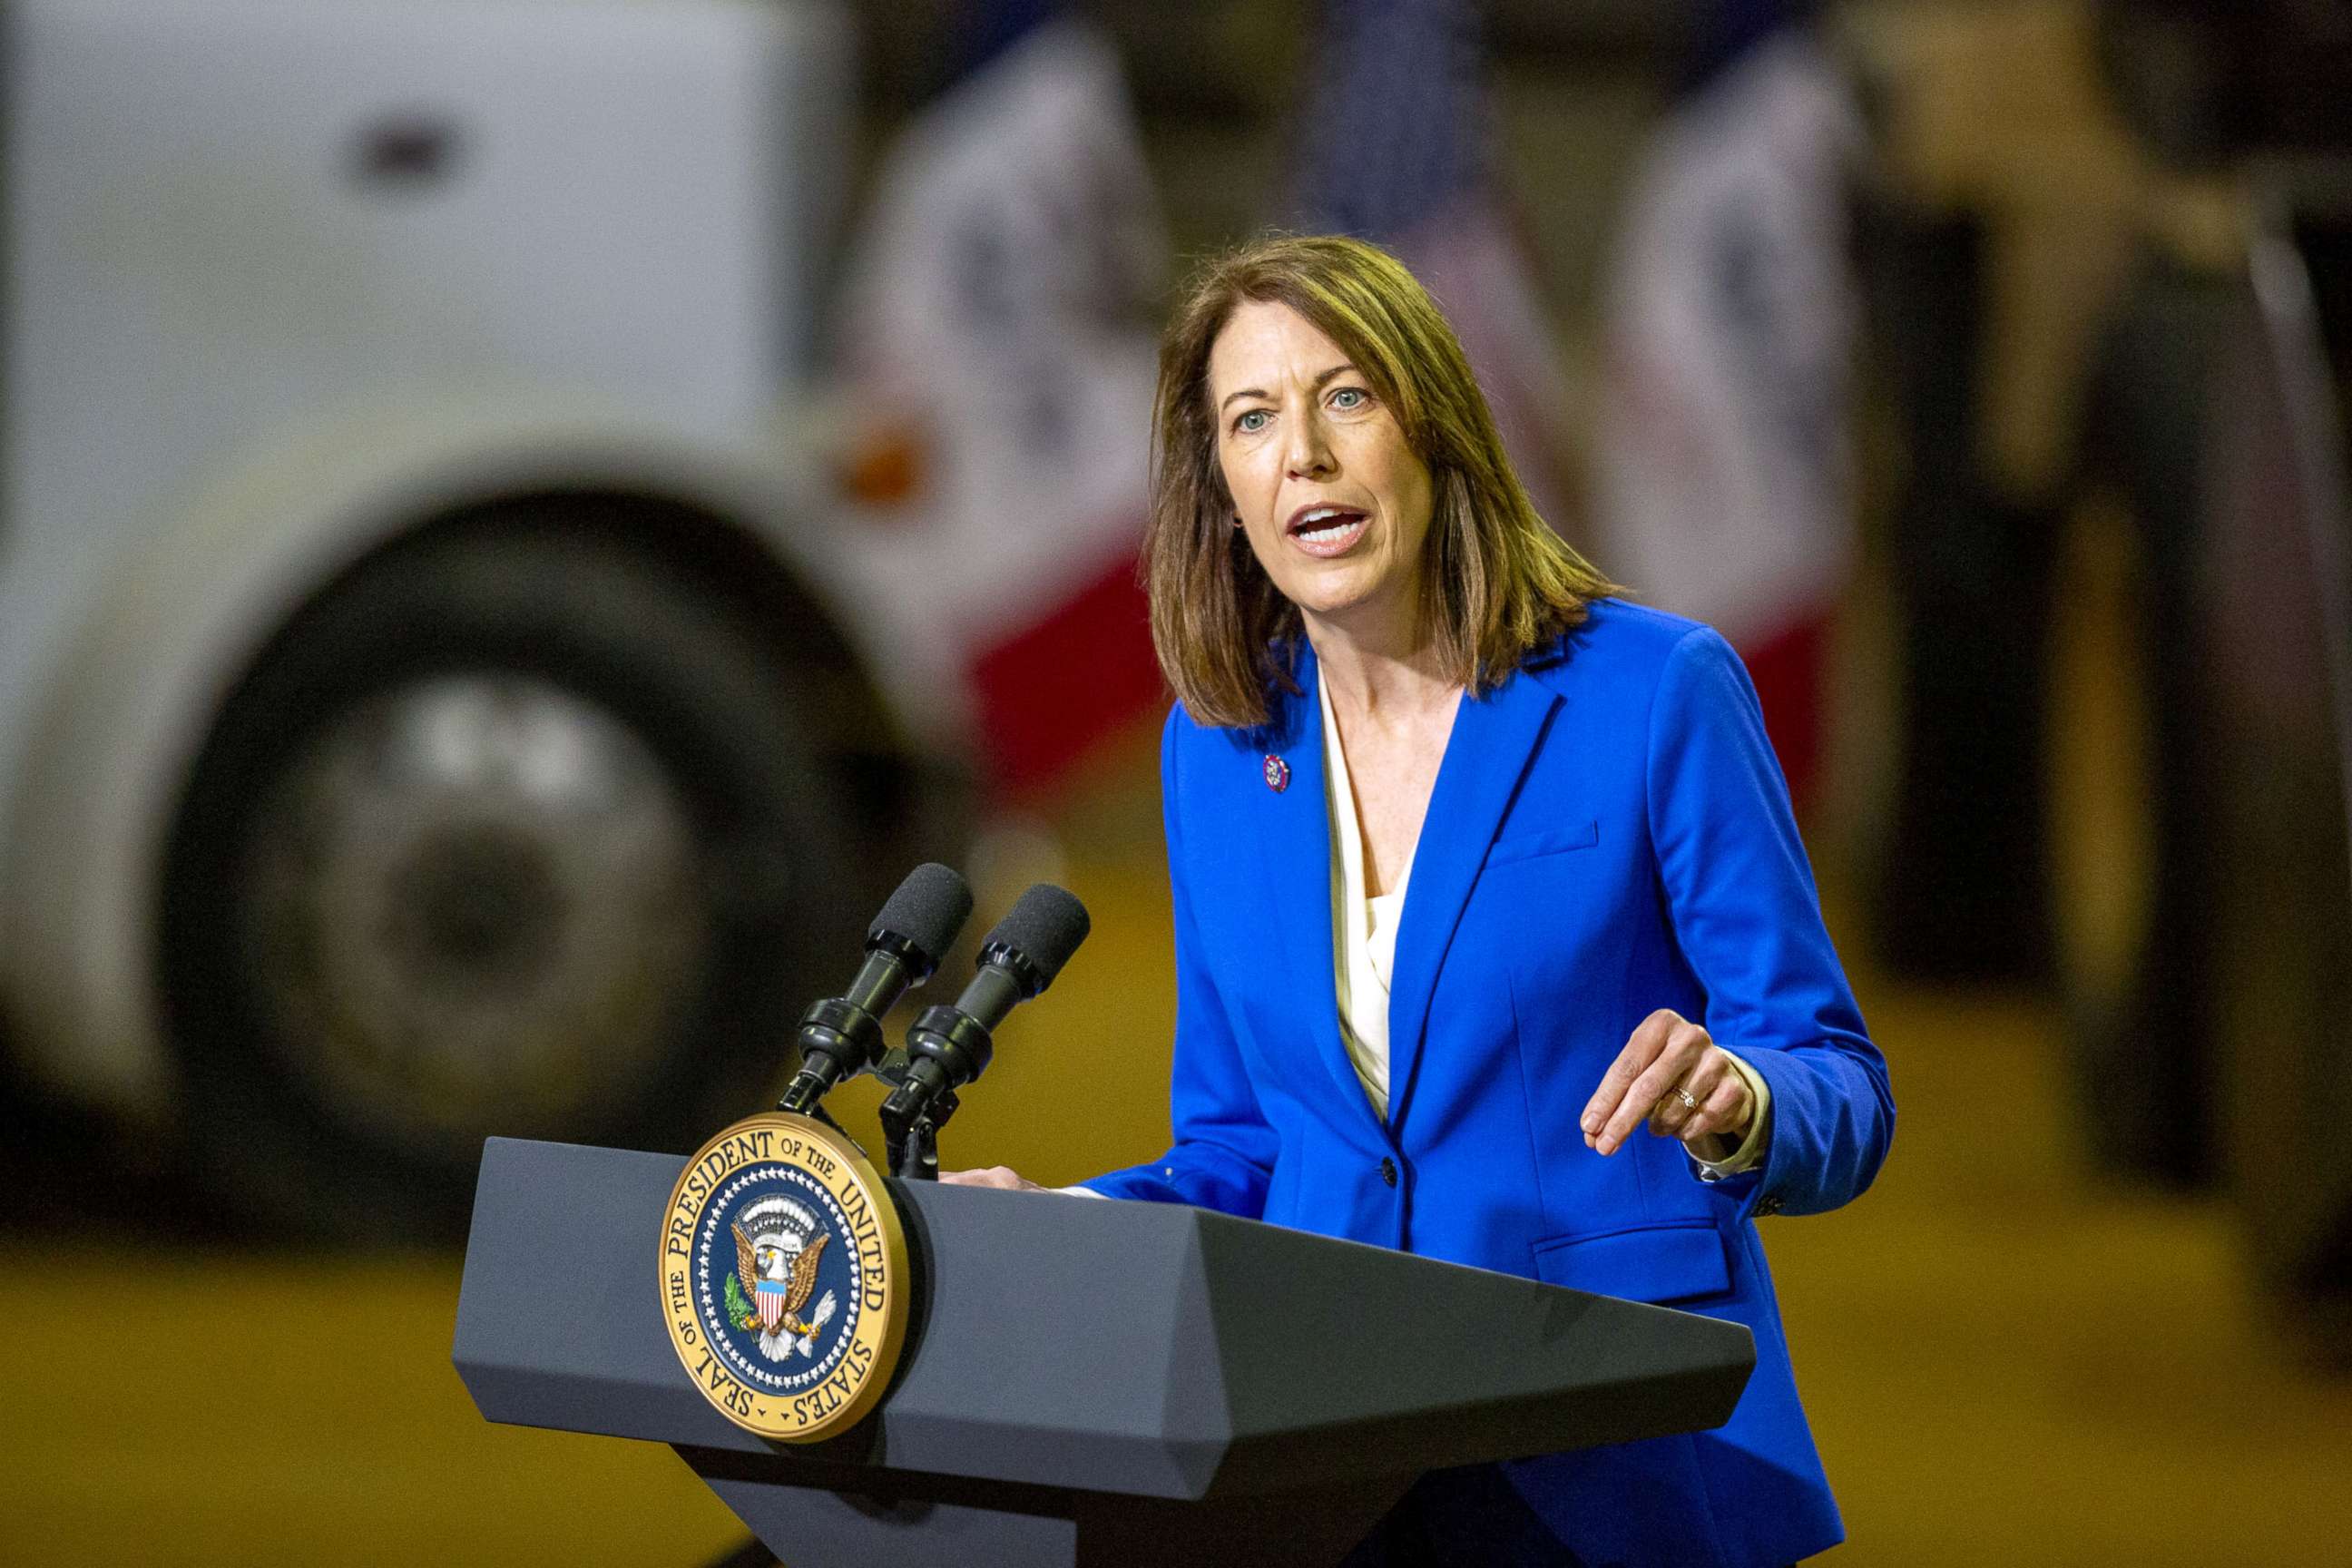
x: 1672, y: 1075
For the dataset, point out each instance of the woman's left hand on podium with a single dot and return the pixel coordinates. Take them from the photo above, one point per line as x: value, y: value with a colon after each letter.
x: 1002, y: 1176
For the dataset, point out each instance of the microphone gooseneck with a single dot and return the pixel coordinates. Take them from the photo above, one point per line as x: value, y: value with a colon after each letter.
x: 841, y: 1035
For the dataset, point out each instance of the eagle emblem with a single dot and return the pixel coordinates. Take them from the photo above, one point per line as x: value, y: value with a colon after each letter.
x: 777, y: 1250
x: 785, y: 1278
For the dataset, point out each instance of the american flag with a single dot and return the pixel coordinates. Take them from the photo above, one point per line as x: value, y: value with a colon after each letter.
x: 1396, y: 147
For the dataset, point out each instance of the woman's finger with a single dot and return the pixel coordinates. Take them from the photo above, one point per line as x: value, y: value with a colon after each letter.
x: 1642, y: 1047
x: 1684, y: 1043
x: 1671, y: 1116
x: 1722, y: 1112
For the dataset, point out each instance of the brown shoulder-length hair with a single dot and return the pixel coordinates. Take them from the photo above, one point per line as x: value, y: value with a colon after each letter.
x: 1497, y: 582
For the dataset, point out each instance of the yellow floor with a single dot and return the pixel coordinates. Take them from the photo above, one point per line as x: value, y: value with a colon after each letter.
x: 2004, y: 1363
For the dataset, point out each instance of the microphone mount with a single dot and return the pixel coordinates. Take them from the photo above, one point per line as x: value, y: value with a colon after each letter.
x: 950, y: 1046
x: 946, y: 1048
x: 840, y: 1037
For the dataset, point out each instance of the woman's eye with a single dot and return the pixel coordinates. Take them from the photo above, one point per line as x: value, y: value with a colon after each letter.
x: 1254, y: 421
x: 1348, y: 399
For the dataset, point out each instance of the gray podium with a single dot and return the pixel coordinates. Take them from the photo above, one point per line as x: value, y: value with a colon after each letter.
x: 1085, y: 1382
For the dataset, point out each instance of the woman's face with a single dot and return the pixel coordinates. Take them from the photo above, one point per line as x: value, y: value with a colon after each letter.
x: 1334, y: 503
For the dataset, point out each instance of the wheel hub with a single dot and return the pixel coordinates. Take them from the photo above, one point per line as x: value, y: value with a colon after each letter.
x: 476, y: 904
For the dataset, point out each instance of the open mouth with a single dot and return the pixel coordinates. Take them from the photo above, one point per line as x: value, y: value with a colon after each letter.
x: 1322, y: 530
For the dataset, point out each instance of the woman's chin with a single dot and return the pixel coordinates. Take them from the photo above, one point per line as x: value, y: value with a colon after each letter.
x: 1356, y: 608
x: 1326, y: 600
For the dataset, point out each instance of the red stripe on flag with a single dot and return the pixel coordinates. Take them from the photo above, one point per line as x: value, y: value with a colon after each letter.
x: 1048, y: 694
x: 1787, y: 668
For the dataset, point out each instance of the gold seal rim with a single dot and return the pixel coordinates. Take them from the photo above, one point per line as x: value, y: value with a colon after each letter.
x: 897, y: 1297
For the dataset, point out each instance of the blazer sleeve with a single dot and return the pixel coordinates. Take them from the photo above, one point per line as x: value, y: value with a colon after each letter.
x: 1745, y: 913
x: 1224, y: 1153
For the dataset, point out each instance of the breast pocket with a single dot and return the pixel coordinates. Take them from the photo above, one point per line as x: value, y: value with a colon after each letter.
x: 1654, y: 1263
x: 1553, y: 841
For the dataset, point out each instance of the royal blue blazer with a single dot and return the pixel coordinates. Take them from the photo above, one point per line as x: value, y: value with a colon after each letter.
x: 1609, y: 833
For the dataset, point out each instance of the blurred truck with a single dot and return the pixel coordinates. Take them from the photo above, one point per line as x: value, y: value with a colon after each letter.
x: 433, y: 701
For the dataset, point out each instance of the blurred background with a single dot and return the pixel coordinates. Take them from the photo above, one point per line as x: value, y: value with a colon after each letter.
x: 520, y: 520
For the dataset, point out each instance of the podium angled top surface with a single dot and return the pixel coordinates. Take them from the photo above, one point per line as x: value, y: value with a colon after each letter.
x: 1148, y: 1349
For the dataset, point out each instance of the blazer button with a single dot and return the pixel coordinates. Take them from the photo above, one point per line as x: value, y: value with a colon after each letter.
x: 1388, y: 1169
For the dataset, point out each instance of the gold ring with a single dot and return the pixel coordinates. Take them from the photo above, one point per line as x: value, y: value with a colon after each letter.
x: 1685, y: 1096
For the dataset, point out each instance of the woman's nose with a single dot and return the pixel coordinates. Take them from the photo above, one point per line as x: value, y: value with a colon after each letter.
x: 1310, y: 456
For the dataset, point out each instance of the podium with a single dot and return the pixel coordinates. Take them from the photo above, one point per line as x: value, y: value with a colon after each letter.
x: 1084, y: 1383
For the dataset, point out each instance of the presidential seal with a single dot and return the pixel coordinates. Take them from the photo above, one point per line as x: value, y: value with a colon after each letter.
x: 784, y: 1277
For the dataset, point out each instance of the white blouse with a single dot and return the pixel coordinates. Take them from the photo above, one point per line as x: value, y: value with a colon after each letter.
x: 1363, y: 929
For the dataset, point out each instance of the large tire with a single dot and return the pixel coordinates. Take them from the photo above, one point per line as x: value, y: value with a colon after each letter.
x: 513, y: 831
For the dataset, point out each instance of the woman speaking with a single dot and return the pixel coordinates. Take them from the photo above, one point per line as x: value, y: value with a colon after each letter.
x: 1479, y: 872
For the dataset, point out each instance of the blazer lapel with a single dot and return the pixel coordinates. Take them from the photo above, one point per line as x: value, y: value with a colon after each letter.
x: 1494, y: 739
x: 1292, y: 876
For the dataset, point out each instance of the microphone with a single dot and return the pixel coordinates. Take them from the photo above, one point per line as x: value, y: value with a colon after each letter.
x: 841, y: 1035
x: 950, y: 1045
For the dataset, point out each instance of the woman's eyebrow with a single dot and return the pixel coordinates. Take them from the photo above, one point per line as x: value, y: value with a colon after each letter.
x: 1339, y: 369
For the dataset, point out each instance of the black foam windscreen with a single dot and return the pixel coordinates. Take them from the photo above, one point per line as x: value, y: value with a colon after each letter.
x: 1044, y: 928
x: 930, y: 906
